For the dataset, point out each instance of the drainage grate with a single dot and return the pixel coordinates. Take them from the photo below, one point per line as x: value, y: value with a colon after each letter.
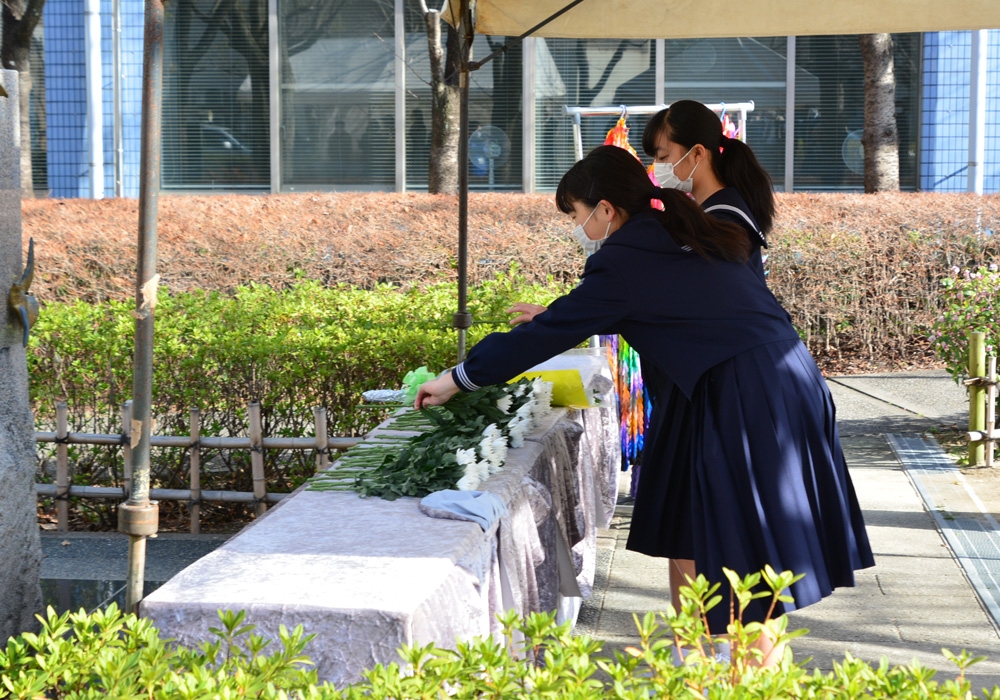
x: 972, y: 534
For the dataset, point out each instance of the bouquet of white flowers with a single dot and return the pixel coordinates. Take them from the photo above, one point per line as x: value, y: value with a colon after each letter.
x: 459, y: 445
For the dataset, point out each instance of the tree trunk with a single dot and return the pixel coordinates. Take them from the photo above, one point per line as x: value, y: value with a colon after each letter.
x: 24, y: 100
x: 442, y: 168
x: 20, y: 547
x: 19, y: 20
x: 881, y: 139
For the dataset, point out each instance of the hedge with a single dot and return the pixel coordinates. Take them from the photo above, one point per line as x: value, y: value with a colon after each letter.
x: 858, y: 273
x: 292, y: 349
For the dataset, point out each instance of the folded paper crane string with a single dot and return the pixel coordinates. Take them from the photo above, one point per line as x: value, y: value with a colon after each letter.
x: 25, y: 305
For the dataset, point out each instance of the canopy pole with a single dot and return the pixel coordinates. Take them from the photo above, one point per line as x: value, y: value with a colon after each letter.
x: 138, y: 517
x: 463, y: 319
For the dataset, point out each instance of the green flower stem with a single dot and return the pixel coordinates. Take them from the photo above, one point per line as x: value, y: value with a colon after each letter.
x: 330, y: 487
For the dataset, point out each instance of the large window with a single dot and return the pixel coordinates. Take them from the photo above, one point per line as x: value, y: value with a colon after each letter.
x: 586, y: 73
x: 742, y: 69
x: 828, y: 153
x: 337, y: 94
x: 216, y: 116
x: 495, y: 127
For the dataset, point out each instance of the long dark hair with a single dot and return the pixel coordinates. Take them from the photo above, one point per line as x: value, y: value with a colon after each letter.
x: 688, y: 123
x: 613, y: 174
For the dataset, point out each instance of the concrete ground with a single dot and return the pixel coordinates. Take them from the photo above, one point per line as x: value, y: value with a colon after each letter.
x: 916, y: 600
x: 88, y: 569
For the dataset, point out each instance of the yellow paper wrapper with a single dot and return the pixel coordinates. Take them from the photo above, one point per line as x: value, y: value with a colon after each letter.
x: 567, y: 386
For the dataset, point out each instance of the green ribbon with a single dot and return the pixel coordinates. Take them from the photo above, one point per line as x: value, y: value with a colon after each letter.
x: 413, y: 380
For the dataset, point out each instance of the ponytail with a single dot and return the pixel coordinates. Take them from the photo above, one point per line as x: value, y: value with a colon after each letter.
x: 736, y: 166
x: 704, y: 235
x: 614, y: 175
x: 688, y: 123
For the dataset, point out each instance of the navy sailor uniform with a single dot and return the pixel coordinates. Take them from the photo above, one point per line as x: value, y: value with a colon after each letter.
x: 728, y: 204
x: 744, y: 465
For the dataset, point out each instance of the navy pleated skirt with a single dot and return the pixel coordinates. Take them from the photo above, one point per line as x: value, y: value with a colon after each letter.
x: 749, y: 472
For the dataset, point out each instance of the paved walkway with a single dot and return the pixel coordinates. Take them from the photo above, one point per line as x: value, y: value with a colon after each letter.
x: 916, y: 600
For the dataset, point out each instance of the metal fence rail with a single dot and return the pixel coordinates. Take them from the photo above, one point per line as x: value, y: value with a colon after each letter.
x: 62, y: 490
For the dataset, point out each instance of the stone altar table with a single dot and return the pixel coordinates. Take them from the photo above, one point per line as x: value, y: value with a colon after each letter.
x: 368, y: 576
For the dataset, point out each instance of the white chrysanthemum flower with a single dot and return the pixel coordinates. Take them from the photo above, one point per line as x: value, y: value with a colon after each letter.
x: 541, y: 394
x: 519, y: 391
x: 546, y: 399
x: 483, y: 470
x: 469, y: 482
x: 504, y: 402
x: 465, y: 457
x: 486, y: 448
x: 516, y: 435
x: 499, y: 454
x: 526, y: 414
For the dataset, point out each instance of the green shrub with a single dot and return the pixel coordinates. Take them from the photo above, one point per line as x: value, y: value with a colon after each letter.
x: 290, y: 350
x: 107, y: 654
x: 970, y: 304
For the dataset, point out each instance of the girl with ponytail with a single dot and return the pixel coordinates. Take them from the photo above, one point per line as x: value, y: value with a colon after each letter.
x: 742, y: 463
x: 690, y: 153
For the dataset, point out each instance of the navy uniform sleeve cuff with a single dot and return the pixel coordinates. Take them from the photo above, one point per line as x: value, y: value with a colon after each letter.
x: 462, y: 379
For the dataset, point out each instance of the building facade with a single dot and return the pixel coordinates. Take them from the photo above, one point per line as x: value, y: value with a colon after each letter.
x: 288, y: 95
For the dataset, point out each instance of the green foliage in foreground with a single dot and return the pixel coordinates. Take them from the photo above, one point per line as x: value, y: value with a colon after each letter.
x: 107, y: 654
x: 971, y: 301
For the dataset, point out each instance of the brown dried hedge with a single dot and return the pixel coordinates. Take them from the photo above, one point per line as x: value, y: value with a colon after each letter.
x: 859, y: 273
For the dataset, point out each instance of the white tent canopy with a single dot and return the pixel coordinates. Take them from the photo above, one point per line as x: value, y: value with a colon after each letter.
x: 658, y: 19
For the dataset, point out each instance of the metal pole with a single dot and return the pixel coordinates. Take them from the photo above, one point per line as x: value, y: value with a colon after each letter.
x: 977, y: 111
x: 463, y: 319
x: 274, y: 90
x: 95, y: 111
x: 399, y: 65
x: 528, y: 117
x: 660, y: 71
x: 116, y: 81
x: 138, y: 517
x: 977, y: 404
x: 789, y: 115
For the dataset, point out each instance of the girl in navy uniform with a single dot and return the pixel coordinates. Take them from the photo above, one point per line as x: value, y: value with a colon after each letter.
x: 690, y: 153
x: 749, y: 470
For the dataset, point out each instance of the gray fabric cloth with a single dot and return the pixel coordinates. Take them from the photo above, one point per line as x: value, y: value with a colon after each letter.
x: 478, y: 506
x: 367, y: 575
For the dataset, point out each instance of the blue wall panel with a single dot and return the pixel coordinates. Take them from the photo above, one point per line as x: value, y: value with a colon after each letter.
x: 65, y: 82
x: 66, y: 95
x: 945, y: 112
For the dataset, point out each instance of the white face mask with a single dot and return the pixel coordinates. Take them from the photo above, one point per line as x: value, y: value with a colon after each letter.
x: 589, y: 246
x: 664, y: 174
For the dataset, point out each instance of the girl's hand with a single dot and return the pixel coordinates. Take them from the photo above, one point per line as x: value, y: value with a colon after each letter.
x: 525, y: 312
x: 436, y: 391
